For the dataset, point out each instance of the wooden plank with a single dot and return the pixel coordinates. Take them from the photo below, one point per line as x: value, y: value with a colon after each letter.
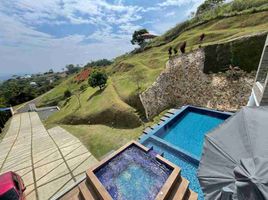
x: 73, y: 194
x: 192, y: 195
x: 85, y: 191
x: 182, y: 190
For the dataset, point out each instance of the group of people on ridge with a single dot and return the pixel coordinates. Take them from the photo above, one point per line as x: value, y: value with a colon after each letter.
x: 183, y: 46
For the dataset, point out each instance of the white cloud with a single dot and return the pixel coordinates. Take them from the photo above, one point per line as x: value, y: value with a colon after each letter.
x: 29, y: 50
x: 178, y: 2
x: 170, y: 14
x: 24, y: 48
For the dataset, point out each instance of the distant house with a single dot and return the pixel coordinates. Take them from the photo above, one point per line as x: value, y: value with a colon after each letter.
x: 33, y: 84
x: 83, y: 75
x: 148, y: 36
x: 62, y: 74
x: 26, y: 76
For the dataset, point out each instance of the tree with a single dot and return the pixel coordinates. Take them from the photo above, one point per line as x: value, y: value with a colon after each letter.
x: 67, y: 93
x: 207, y: 5
x: 71, y: 69
x: 137, y: 37
x: 138, y: 77
x: 97, y: 79
x: 99, y: 63
x: 83, y: 87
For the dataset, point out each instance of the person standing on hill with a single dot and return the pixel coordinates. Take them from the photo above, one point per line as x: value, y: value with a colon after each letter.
x: 170, y: 52
x: 175, y: 51
x: 182, y: 47
x: 201, y: 39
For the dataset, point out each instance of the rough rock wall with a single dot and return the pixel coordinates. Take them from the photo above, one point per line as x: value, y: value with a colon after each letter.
x: 183, y: 82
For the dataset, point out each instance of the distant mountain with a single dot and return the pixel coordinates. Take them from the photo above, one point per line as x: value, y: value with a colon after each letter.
x: 4, y: 77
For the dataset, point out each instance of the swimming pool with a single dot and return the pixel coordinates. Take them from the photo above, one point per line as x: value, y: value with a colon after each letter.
x: 189, y: 131
x: 180, y: 138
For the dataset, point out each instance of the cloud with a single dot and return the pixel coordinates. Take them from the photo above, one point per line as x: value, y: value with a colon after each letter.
x: 30, y: 39
x: 170, y: 14
x: 167, y: 3
x: 28, y: 50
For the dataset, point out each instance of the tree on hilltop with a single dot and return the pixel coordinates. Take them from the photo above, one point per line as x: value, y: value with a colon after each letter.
x: 137, y: 37
x: 71, y: 69
x: 208, y: 5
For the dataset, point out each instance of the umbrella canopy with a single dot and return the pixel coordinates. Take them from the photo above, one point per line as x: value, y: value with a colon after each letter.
x: 234, y: 164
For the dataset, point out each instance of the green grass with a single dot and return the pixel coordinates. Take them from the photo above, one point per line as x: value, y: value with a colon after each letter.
x: 234, y: 8
x: 100, y: 139
x: 152, y: 61
x: 97, y: 107
x: 108, y: 119
x: 56, y: 94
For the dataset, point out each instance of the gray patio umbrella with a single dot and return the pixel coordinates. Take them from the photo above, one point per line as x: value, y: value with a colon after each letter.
x: 234, y: 163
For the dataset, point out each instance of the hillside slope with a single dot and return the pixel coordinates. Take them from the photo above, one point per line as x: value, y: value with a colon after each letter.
x: 118, y: 106
x: 153, y: 61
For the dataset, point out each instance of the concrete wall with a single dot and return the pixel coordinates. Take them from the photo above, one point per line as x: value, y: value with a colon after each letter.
x: 183, y: 82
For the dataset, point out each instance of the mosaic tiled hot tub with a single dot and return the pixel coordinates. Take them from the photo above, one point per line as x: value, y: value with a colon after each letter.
x: 134, y: 172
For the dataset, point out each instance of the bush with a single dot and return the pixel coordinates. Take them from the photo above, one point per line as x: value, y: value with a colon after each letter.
x: 99, y: 63
x: 83, y: 87
x: 240, y: 5
x: 97, y: 79
x: 67, y: 93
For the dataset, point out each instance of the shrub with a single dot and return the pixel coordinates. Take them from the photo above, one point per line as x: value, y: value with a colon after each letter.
x: 83, y: 87
x: 67, y: 93
x: 97, y: 79
x: 99, y: 63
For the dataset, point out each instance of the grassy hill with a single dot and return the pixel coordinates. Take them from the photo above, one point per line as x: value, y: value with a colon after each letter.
x: 109, y: 118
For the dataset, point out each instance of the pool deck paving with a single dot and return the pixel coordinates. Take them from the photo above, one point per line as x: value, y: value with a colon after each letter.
x: 49, y: 161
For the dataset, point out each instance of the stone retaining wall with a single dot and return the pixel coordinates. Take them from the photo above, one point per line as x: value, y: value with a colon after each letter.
x: 183, y: 82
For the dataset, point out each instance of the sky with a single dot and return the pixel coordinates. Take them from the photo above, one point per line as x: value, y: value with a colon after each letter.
x: 37, y: 35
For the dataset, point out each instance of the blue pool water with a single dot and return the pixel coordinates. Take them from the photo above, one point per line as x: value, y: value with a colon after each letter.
x: 189, y: 131
x: 181, y: 139
x: 188, y: 168
x: 133, y: 175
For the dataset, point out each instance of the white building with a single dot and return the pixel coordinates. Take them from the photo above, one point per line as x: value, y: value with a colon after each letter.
x: 33, y: 83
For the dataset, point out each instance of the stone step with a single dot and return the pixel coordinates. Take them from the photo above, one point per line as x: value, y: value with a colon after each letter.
x: 168, y: 115
x: 164, y: 119
x: 172, y: 111
x: 147, y: 130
